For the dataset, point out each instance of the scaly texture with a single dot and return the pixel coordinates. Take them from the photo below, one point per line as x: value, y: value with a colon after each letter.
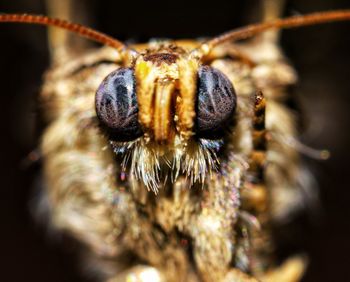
x: 218, y: 230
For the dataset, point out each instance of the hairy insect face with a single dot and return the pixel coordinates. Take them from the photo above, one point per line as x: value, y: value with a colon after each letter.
x: 167, y: 110
x: 166, y: 113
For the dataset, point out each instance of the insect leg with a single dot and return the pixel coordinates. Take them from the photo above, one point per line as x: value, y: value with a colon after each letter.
x: 272, y: 10
x: 259, y: 135
x: 254, y: 194
x: 65, y: 45
x: 139, y: 273
x: 254, y: 216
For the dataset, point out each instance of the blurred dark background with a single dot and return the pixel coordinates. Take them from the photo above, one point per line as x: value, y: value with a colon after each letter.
x: 320, y: 54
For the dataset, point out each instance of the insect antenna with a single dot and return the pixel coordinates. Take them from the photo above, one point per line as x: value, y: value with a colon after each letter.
x: 72, y: 27
x: 291, y: 22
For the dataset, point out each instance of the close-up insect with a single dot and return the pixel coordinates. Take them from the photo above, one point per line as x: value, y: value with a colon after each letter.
x: 175, y: 159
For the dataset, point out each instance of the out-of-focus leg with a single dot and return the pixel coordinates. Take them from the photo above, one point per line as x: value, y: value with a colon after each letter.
x: 139, y: 273
x: 65, y: 45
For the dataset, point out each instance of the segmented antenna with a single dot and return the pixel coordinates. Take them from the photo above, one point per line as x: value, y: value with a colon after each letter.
x: 72, y: 27
x: 291, y: 22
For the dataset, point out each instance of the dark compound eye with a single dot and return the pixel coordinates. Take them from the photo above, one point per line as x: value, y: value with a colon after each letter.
x: 216, y: 102
x: 116, y: 105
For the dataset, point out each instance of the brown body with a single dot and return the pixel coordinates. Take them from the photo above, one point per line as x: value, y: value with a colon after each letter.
x: 211, y: 213
x: 186, y: 232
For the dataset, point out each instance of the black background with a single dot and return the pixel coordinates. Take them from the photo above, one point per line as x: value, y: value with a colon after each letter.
x: 320, y: 54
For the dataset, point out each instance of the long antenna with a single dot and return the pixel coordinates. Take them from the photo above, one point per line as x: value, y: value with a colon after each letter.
x: 73, y: 27
x: 291, y: 22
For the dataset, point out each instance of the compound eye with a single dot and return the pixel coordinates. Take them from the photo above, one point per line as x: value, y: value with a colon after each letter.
x: 116, y: 105
x: 216, y: 102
